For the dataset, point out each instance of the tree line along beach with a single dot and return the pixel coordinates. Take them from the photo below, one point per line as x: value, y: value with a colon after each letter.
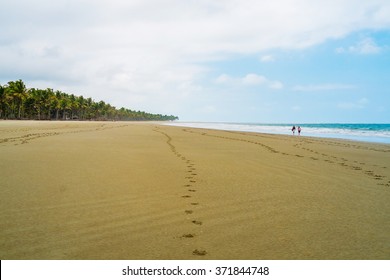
x: 19, y: 102
x: 142, y: 190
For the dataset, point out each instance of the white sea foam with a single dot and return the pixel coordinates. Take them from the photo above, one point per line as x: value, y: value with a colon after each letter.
x: 356, y: 132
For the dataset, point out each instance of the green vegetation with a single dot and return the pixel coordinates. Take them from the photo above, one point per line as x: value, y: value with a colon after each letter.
x: 18, y: 102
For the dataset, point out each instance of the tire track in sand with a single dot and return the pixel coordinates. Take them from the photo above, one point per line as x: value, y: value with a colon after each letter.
x: 190, y: 190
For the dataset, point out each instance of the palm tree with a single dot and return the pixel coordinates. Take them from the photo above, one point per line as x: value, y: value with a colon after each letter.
x: 101, y: 110
x: 65, y: 105
x: 49, y: 98
x: 73, y: 105
x: 89, y: 108
x: 57, y: 103
x: 3, y: 102
x: 19, y: 93
x: 34, y: 103
x: 82, y: 106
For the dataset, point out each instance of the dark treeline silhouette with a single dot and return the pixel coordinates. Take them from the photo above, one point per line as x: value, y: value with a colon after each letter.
x: 18, y: 102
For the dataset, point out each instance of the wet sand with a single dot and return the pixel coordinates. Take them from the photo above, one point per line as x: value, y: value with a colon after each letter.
x: 117, y: 190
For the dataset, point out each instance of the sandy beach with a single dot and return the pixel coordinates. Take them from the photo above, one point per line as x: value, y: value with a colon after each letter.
x: 121, y: 190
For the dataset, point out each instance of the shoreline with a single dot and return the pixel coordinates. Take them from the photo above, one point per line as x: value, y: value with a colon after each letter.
x: 274, y: 129
x: 362, y: 140
x: 129, y: 190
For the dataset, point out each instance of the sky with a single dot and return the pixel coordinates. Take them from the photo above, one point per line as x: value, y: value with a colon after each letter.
x: 279, y: 61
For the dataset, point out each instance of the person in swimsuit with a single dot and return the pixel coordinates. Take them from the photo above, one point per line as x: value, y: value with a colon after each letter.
x: 293, y: 130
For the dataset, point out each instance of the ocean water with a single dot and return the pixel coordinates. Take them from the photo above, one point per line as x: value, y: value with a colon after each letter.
x: 378, y: 133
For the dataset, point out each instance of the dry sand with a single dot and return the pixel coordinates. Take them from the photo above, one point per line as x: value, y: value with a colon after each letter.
x: 90, y: 190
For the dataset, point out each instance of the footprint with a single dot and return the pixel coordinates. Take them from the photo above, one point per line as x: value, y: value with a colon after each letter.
x: 192, y: 190
x: 199, y: 223
x: 188, y: 235
x: 185, y: 196
x: 194, y: 203
x: 199, y: 252
x: 356, y: 168
x: 188, y: 212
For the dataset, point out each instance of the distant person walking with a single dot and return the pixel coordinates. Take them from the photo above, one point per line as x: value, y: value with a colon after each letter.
x: 293, y: 130
x: 299, y: 130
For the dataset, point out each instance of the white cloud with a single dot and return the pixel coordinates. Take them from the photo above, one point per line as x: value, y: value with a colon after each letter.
x: 223, y: 79
x: 276, y: 84
x: 323, y: 87
x: 120, y: 50
x: 267, y: 58
x: 364, y: 46
x: 249, y: 80
x: 253, y: 79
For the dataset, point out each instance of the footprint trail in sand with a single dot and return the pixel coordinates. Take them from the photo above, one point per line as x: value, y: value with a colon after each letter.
x: 190, y: 188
